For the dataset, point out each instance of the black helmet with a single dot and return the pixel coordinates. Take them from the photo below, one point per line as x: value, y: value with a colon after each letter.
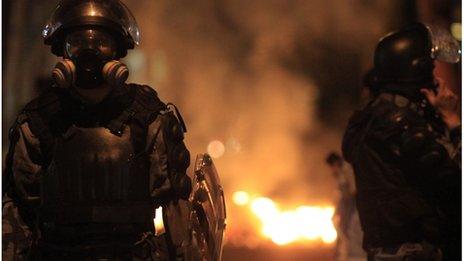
x: 112, y: 15
x: 407, y: 56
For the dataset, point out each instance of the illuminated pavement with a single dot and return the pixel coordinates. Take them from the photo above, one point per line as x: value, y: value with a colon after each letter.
x: 277, y: 254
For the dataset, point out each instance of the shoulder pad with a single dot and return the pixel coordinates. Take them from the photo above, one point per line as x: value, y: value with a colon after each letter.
x: 393, y: 126
x: 147, y: 98
x: 40, y: 112
x: 172, y: 127
x: 405, y: 118
x: 173, y: 109
x: 396, y: 114
x: 13, y: 133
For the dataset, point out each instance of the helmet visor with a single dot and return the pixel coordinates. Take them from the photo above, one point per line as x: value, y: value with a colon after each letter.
x: 445, y: 47
x: 90, y: 39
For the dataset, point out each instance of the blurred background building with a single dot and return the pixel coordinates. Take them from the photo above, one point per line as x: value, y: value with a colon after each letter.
x: 265, y: 86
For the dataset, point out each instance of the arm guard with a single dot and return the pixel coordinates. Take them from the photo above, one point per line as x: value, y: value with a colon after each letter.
x: 20, y: 191
x: 169, y: 160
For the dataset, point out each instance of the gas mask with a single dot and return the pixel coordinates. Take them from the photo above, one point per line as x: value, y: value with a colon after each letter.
x: 89, y: 61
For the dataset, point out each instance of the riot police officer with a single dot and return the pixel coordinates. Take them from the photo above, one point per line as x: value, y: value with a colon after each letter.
x: 92, y: 159
x: 404, y: 154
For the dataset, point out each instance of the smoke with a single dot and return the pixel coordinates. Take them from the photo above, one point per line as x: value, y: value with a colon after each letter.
x: 274, y: 81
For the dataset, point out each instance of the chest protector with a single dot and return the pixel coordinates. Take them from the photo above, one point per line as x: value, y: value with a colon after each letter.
x: 97, y: 180
x: 94, y: 177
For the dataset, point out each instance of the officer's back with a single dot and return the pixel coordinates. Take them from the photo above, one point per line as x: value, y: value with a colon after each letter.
x: 407, y: 183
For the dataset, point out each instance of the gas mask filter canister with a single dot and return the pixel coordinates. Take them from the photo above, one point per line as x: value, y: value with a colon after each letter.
x: 114, y: 73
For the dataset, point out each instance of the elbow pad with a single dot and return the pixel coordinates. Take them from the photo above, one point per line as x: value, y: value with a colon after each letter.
x: 178, y: 156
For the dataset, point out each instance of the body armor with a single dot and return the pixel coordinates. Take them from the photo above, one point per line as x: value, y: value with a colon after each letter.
x: 408, y: 185
x: 94, y: 177
x: 93, y: 189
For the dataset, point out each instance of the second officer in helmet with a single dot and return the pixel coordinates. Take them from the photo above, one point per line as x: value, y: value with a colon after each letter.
x: 405, y: 155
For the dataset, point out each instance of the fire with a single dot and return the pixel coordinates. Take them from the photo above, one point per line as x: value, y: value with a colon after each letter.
x: 283, y: 227
x: 158, y: 222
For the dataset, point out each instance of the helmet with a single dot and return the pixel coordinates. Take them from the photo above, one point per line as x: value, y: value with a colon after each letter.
x: 407, y: 56
x: 111, y: 15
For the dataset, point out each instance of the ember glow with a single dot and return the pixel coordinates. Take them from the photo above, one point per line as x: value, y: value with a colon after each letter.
x: 216, y: 149
x: 299, y: 225
x: 241, y: 198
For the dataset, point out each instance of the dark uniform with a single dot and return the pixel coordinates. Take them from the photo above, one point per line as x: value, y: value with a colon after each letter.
x: 405, y: 160
x: 87, y: 178
x: 82, y: 180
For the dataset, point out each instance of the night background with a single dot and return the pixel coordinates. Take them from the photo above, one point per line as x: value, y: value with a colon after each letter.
x: 265, y: 86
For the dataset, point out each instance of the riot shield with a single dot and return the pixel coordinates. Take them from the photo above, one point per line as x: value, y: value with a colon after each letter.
x: 209, y: 209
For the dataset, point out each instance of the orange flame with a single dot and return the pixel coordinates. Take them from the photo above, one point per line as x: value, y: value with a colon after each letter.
x: 304, y: 223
